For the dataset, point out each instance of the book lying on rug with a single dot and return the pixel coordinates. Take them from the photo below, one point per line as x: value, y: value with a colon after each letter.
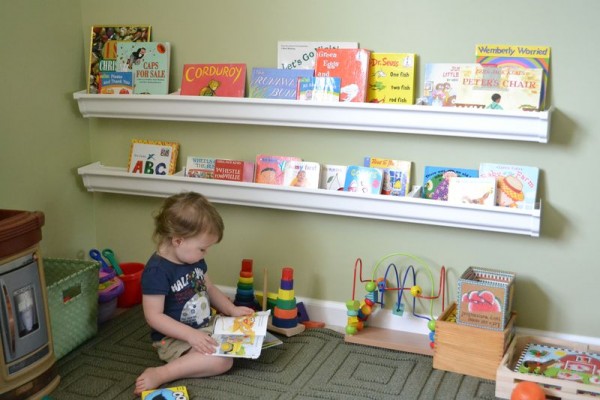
x: 241, y: 336
x: 559, y: 363
x: 172, y: 393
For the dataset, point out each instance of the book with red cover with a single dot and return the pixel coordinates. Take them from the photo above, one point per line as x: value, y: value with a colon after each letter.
x: 351, y: 65
x: 234, y: 170
x: 270, y: 169
x: 221, y: 80
x: 218, y: 168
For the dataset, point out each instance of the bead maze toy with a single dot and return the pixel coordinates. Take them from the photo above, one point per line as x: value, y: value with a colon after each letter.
x: 359, y: 311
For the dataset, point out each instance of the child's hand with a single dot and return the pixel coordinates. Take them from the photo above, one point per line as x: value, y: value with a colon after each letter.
x: 241, y: 311
x: 203, y: 343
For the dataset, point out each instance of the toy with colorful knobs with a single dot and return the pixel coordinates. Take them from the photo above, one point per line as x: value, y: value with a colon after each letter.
x: 244, y: 295
x: 358, y: 312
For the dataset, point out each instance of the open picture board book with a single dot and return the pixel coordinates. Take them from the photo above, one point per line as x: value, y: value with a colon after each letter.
x: 241, y: 336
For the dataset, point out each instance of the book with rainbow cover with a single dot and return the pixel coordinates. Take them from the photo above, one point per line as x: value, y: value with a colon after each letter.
x: 530, y: 57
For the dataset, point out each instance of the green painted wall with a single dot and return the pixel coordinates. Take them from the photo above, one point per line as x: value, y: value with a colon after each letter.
x: 44, y: 138
x: 557, y: 274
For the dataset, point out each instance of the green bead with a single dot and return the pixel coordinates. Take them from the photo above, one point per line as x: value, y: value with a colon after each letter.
x: 350, y: 330
x: 431, y: 325
x: 370, y: 286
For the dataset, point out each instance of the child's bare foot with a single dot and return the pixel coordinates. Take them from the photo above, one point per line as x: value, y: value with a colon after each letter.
x: 148, y: 380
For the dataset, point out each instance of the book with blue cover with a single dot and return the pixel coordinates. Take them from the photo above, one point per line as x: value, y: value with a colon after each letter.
x: 273, y: 83
x: 319, y: 88
x: 364, y: 180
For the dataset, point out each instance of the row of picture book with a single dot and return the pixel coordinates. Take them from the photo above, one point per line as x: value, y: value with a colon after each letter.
x: 491, y: 184
x: 124, y: 60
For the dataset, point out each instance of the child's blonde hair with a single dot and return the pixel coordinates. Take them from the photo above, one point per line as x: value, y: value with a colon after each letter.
x: 185, y: 215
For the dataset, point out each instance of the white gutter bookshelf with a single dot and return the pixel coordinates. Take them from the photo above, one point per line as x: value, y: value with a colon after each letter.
x: 99, y: 178
x: 423, y: 120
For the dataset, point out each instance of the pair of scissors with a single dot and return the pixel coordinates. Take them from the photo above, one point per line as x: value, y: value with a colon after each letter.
x: 110, y: 256
x: 95, y: 255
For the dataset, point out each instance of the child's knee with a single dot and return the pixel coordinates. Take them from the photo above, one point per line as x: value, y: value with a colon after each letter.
x: 224, y: 364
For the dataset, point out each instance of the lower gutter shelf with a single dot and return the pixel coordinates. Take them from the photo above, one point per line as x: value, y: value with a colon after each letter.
x: 98, y: 178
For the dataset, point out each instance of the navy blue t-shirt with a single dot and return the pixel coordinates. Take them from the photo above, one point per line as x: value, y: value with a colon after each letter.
x: 186, y: 299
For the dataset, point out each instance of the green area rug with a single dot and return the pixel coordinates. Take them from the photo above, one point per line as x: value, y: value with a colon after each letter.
x: 316, y: 364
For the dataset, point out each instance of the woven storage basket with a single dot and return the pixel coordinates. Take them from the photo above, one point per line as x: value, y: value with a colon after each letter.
x: 73, y: 302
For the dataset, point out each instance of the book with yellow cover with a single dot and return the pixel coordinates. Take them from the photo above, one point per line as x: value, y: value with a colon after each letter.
x: 391, y: 78
x: 153, y: 157
x: 172, y: 393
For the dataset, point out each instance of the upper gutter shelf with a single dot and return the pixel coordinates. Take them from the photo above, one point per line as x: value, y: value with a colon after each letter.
x: 422, y: 120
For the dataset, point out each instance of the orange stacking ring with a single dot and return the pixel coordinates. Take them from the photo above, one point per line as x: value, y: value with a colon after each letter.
x: 285, y: 314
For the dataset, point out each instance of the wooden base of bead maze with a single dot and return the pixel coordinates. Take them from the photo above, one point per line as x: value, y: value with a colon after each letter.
x: 390, y: 339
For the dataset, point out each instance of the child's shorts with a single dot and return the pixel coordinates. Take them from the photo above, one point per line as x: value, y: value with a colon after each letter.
x: 170, y: 349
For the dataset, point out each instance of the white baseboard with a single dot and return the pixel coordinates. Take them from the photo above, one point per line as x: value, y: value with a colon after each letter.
x: 333, y: 314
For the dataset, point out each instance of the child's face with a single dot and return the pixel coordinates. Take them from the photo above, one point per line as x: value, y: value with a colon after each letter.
x: 192, y: 249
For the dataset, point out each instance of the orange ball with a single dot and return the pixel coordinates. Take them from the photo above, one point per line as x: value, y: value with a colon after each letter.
x: 528, y: 391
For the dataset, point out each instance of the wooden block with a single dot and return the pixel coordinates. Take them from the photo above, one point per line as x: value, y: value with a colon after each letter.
x: 469, y: 350
x: 485, y: 298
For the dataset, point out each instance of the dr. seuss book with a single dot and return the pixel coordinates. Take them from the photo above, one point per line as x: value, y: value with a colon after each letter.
x: 319, y: 88
x: 218, y: 168
x: 363, y: 180
x: 499, y: 88
x: 559, y: 363
x: 172, y: 393
x: 480, y: 191
x: 517, y: 56
x: 396, y: 174
x: 351, y: 66
x: 302, y: 174
x: 301, y: 55
x: 391, y: 78
x: 333, y: 176
x: 222, y: 80
x: 439, y: 84
x: 516, y: 184
x: 241, y: 336
x: 153, y: 157
x: 103, y: 49
x: 436, y: 180
x: 270, y: 169
x: 149, y: 62
x: 273, y: 83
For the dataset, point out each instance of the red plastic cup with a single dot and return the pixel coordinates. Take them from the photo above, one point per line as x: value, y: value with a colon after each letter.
x: 132, y: 279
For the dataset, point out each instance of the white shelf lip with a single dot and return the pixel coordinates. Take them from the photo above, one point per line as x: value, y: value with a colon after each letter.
x: 423, y: 120
x: 99, y: 178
